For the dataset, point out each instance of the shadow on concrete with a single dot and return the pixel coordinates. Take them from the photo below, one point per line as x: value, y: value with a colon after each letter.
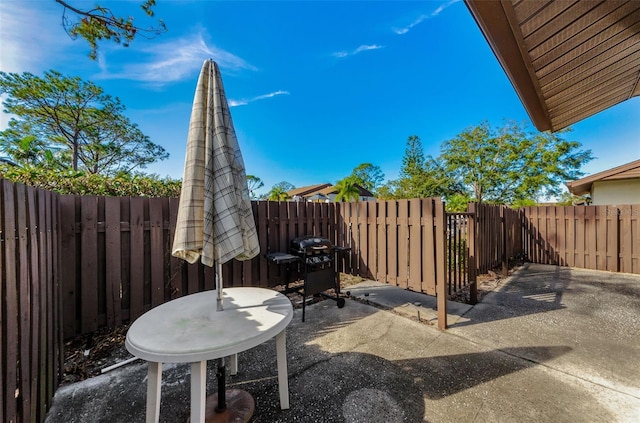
x: 343, y: 368
x: 528, y: 291
x: 449, y: 374
x: 361, y: 387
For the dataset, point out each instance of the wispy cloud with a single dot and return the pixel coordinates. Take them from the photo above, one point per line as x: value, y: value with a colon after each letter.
x: 357, y: 50
x: 30, y: 43
x: 423, y: 18
x: 29, y: 36
x: 244, y: 102
x: 175, y: 60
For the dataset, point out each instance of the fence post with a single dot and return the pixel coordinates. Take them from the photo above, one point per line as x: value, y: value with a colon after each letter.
x: 441, y: 265
x: 617, y: 238
x: 473, y: 285
x: 503, y: 224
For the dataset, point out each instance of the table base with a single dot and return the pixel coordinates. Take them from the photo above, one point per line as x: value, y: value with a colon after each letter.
x: 240, y: 407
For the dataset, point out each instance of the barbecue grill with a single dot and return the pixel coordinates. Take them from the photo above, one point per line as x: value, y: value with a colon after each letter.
x: 315, y: 258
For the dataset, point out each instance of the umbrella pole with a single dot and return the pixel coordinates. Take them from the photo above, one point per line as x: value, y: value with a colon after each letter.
x: 219, y: 285
x: 222, y: 401
x: 221, y: 370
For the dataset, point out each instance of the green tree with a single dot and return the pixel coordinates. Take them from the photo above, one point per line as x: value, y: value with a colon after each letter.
x: 76, y: 119
x: 279, y: 191
x: 510, y: 163
x: 420, y: 177
x: 368, y: 176
x: 347, y: 190
x: 100, y: 23
x: 523, y: 202
x: 413, y: 170
x: 413, y: 162
x: 254, y: 183
x: 387, y: 191
x: 457, y: 203
x: 25, y: 150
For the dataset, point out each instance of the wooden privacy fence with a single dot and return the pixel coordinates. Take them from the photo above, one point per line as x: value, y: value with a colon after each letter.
x: 499, y: 235
x: 71, y: 264
x: 118, y: 263
x: 400, y: 242
x: 485, y: 237
x: 589, y: 237
x: 31, y: 346
x: 396, y: 242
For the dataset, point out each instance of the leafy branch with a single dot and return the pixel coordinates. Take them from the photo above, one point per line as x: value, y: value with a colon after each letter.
x: 100, y: 23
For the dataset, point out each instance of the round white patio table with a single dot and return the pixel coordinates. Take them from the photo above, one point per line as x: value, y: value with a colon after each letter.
x: 190, y: 330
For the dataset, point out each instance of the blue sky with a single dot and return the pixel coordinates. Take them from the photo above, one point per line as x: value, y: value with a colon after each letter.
x: 316, y: 88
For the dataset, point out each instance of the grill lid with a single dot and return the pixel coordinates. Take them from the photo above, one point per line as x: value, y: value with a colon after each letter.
x: 310, y: 243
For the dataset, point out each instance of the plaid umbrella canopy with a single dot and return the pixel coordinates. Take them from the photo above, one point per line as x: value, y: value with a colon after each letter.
x: 215, y: 221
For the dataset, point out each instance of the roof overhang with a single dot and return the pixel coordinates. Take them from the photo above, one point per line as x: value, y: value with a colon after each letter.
x: 567, y: 60
x: 625, y: 171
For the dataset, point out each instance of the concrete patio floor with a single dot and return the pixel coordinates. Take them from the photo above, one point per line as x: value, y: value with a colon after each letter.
x: 552, y: 344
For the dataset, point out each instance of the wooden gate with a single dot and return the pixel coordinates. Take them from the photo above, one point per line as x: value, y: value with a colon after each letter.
x: 460, y: 259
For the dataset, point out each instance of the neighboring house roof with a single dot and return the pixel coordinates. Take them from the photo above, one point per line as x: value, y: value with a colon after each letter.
x: 324, y: 189
x: 626, y: 171
x: 333, y: 190
x: 567, y: 60
x: 308, y: 190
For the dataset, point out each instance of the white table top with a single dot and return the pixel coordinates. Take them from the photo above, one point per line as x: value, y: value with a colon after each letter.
x: 189, y: 329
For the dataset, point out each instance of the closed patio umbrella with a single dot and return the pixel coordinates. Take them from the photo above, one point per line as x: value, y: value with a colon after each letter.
x: 215, y: 221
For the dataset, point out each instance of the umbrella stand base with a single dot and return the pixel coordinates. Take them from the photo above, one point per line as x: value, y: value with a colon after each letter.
x: 240, y: 407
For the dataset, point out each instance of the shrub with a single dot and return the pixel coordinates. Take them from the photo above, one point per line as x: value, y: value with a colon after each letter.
x: 79, y: 183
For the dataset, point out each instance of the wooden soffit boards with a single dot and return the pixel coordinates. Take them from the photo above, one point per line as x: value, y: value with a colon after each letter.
x: 567, y: 59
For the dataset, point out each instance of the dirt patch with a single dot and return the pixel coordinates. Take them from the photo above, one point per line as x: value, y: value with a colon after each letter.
x: 85, y: 356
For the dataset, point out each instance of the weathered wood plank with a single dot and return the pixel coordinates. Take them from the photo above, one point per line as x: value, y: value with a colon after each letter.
x: 626, y: 242
x: 403, y: 243
x: 392, y: 242
x: 24, y: 302
x: 45, y: 381
x: 571, y: 236
x: 89, y: 264
x: 579, y: 217
x: 157, y: 251
x: 428, y: 248
x: 415, y: 244
x: 382, y: 242
x: 175, y: 264
x: 441, y: 281
x: 137, y: 257
x: 363, y: 245
x: 591, y: 242
x: 36, y: 305
x: 372, y: 236
x: 113, y: 261
x: 262, y: 220
x: 10, y: 296
x: 69, y: 280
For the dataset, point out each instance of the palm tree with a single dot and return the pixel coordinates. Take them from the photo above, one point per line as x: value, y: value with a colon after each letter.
x: 278, y: 194
x: 23, y: 150
x: 347, y: 190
